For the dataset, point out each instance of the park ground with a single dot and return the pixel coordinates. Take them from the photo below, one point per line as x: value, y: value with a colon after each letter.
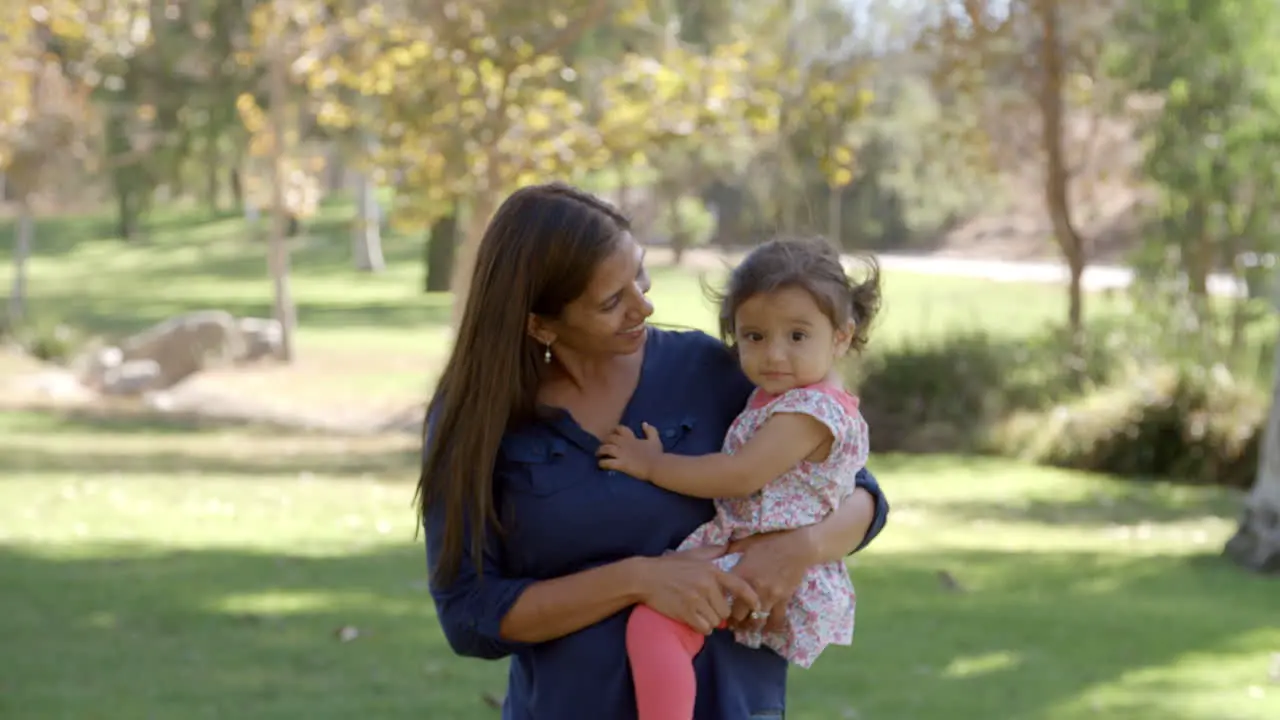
x: 183, y: 566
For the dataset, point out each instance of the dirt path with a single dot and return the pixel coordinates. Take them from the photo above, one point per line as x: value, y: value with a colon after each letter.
x: 1096, y: 276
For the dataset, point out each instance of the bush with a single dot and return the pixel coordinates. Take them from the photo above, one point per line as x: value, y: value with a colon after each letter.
x: 947, y: 395
x: 689, y: 217
x: 47, y: 341
x: 1120, y: 408
x: 1192, y: 425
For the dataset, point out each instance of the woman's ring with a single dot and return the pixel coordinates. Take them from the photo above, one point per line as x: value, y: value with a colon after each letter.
x: 759, y: 614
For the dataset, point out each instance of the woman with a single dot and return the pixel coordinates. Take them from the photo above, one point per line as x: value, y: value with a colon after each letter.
x: 534, y: 552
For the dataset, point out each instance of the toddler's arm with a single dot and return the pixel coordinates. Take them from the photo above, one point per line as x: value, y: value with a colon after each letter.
x: 782, y: 442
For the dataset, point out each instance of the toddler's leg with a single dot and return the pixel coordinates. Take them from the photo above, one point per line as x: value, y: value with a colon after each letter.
x: 661, y: 652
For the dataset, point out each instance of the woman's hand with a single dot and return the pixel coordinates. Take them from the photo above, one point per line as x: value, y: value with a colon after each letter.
x: 774, y: 565
x: 688, y: 587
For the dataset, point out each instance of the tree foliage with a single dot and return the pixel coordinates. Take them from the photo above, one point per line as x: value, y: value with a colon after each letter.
x: 1024, y: 71
x: 1214, y: 142
x: 473, y: 100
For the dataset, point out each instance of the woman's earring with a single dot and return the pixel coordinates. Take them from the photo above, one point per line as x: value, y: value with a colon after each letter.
x: 546, y: 356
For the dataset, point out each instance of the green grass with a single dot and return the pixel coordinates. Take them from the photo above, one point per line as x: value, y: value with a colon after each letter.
x: 377, y: 338
x: 188, y: 569
x: 81, y: 274
x: 192, y: 570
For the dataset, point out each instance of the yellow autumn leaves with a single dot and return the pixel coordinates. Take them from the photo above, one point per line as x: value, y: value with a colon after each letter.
x: 461, y: 103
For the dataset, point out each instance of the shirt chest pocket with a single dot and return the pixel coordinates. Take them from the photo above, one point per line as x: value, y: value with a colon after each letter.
x: 542, y: 467
x: 674, y: 434
x: 552, y: 466
x: 555, y: 497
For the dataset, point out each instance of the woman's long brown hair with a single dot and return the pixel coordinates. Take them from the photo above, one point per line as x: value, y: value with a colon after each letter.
x: 537, y: 255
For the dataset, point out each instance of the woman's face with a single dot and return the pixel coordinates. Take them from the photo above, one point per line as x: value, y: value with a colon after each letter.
x: 609, y: 317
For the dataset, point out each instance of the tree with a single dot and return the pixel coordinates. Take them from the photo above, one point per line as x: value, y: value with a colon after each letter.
x: 705, y: 109
x: 42, y: 114
x: 1041, y: 49
x: 1214, y: 142
x: 691, y: 115
x: 471, y: 100
x: 1256, y: 543
x: 1216, y: 160
x: 276, y: 27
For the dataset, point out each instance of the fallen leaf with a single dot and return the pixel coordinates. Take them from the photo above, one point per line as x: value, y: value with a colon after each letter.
x: 949, y: 582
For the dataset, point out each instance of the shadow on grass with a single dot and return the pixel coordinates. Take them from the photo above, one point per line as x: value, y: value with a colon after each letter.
x: 191, y: 244
x: 137, y: 632
x: 253, y: 451
x: 63, y: 235
x: 1126, y: 506
x: 238, y: 251
x: 140, y: 631
x: 1035, y: 630
x: 120, y: 420
x: 119, y: 316
x: 1126, y: 502
x: 338, y: 464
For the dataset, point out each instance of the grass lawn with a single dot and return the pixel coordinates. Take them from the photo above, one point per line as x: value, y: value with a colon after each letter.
x: 186, y: 571
x: 374, y: 340
x: 189, y: 570
x: 82, y: 274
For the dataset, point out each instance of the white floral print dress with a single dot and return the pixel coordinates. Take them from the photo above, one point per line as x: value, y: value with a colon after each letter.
x: 822, y: 610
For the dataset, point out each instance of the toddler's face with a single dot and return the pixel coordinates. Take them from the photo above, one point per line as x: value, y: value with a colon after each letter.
x: 785, y: 341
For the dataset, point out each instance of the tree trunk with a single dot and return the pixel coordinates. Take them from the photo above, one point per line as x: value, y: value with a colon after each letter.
x: 1057, y: 174
x: 21, y: 253
x: 211, y: 169
x: 835, y: 202
x: 366, y: 240
x: 1240, y: 305
x: 237, y: 189
x: 1256, y: 544
x: 335, y: 171
x: 1199, y: 264
x: 441, y: 249
x: 679, y: 234
x: 624, y: 189
x: 1197, y: 261
x: 127, y: 220
x: 278, y: 253
x: 482, y: 209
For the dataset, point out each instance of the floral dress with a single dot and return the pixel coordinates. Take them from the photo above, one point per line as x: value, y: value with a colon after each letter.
x: 822, y: 609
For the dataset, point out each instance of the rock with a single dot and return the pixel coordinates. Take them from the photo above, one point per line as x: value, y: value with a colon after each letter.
x: 131, y: 378
x: 168, y: 353
x: 263, y: 338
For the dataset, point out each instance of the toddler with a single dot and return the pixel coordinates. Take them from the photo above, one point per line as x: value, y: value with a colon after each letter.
x: 790, y: 312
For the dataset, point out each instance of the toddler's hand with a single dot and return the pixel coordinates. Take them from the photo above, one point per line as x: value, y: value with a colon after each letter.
x: 623, y: 451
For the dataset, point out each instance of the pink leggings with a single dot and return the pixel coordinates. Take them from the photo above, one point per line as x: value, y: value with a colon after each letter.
x: 661, y: 652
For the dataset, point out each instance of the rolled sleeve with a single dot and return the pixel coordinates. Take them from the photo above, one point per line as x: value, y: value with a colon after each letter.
x: 868, y: 482
x: 472, y: 605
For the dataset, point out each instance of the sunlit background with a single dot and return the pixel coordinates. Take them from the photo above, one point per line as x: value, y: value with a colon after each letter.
x: 238, y: 228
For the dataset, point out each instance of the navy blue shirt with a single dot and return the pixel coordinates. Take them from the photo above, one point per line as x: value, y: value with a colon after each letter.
x: 563, y: 514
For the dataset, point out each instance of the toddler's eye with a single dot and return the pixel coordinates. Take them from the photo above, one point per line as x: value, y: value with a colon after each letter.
x: 797, y: 336
x: 752, y: 337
